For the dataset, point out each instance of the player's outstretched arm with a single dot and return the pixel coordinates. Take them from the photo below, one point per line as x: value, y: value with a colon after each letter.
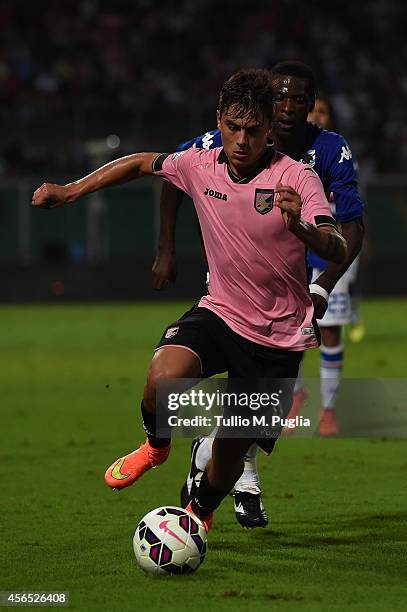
x: 164, y: 269
x: 325, y: 241
x: 116, y: 172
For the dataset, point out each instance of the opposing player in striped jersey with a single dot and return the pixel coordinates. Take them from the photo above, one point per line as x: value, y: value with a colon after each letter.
x: 323, y: 115
x: 340, y: 309
x: 330, y: 156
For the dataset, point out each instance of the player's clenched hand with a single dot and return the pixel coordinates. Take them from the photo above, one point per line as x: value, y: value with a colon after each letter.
x: 289, y: 202
x: 164, y: 270
x: 320, y: 305
x: 50, y: 196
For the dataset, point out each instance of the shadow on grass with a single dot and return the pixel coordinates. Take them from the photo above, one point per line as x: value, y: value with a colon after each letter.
x: 362, y: 529
x: 374, y: 541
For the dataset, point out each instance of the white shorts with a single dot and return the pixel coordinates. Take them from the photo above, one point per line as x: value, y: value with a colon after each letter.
x: 340, y: 305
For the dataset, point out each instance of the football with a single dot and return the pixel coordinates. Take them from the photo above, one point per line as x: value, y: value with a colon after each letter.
x: 169, y: 540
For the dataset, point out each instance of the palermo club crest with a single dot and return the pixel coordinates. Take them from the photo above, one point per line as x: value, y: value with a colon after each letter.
x: 264, y: 200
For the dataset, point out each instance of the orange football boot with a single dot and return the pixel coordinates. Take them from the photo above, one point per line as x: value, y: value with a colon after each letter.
x: 126, y: 470
x: 327, y: 423
x: 206, y: 521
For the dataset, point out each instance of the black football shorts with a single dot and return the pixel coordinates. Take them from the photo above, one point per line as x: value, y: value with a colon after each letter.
x: 220, y: 349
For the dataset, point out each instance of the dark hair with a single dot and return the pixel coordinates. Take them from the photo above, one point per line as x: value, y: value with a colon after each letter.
x: 298, y: 69
x: 250, y: 92
x: 322, y: 96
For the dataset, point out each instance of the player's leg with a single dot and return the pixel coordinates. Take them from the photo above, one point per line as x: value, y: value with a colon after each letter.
x: 338, y: 313
x: 217, y: 463
x: 226, y: 464
x: 248, y: 503
x: 301, y: 394
x: 249, y: 480
x: 249, y: 508
x: 201, y: 452
x: 228, y: 453
x: 189, y: 348
x: 331, y: 364
x: 171, y: 362
x: 356, y: 330
x: 221, y: 473
x: 267, y: 364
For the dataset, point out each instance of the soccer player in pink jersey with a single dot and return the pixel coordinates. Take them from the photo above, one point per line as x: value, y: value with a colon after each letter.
x: 259, y: 210
x: 332, y: 160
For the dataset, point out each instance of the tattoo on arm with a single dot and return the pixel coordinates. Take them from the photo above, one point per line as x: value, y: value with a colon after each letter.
x: 353, y: 232
x: 326, y: 242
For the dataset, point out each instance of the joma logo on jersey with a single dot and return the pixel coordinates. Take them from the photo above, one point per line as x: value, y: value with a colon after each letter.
x: 216, y: 194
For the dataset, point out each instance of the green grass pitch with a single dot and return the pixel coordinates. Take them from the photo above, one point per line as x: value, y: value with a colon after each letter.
x: 71, y: 379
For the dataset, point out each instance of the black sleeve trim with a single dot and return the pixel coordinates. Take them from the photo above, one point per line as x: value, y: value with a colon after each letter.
x: 158, y: 161
x: 325, y: 220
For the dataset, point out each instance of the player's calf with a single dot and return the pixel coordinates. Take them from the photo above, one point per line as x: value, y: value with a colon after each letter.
x: 168, y: 363
x: 331, y: 376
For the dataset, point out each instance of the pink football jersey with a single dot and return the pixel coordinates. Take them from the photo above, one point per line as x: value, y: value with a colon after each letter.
x: 258, y: 275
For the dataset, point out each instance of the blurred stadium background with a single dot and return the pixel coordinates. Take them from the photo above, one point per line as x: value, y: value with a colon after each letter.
x: 85, y: 81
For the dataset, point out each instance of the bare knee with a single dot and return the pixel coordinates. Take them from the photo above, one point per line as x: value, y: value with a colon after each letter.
x: 157, y: 372
x: 169, y: 363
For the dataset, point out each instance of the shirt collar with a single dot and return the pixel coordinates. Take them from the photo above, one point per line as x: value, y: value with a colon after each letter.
x: 263, y: 163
